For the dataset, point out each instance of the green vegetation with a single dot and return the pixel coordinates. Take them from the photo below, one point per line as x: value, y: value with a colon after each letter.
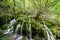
x: 31, y: 12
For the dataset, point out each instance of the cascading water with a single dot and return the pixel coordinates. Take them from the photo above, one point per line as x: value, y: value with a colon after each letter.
x: 10, y: 27
x: 49, y: 33
x: 18, y: 26
x: 26, y: 31
x: 30, y: 35
x: 12, y: 22
x: 20, y: 37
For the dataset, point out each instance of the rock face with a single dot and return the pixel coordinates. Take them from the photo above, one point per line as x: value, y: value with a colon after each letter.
x: 12, y: 37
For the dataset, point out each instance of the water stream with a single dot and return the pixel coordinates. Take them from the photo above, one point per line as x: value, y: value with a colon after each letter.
x: 21, y: 36
x: 49, y: 33
x: 10, y: 27
x: 28, y: 27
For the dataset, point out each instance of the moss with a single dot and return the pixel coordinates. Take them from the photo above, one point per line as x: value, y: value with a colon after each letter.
x: 4, y: 27
x: 48, y: 23
x: 4, y: 38
x: 1, y: 31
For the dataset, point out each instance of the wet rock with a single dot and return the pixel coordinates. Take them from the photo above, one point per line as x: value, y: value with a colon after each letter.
x: 24, y: 38
x: 12, y: 37
x: 58, y: 32
x: 16, y: 36
x: 58, y: 39
x: 37, y: 37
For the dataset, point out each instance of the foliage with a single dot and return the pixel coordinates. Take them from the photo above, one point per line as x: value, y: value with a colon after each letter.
x: 31, y: 12
x: 4, y: 27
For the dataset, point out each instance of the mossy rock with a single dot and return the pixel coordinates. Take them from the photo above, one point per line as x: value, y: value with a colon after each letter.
x: 58, y: 35
x: 37, y: 37
x: 4, y: 37
x: 1, y: 31
x: 4, y: 27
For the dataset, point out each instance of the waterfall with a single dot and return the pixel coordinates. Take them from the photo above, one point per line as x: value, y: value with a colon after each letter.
x: 18, y: 27
x: 10, y: 27
x: 49, y: 33
x: 51, y: 37
x: 26, y: 31
x: 21, y: 29
x: 12, y: 22
x: 20, y: 37
x: 30, y: 35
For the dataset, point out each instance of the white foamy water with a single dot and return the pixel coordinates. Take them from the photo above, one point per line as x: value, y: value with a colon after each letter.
x: 10, y: 27
x: 20, y: 37
x: 12, y: 22
x: 50, y: 34
x: 18, y: 27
